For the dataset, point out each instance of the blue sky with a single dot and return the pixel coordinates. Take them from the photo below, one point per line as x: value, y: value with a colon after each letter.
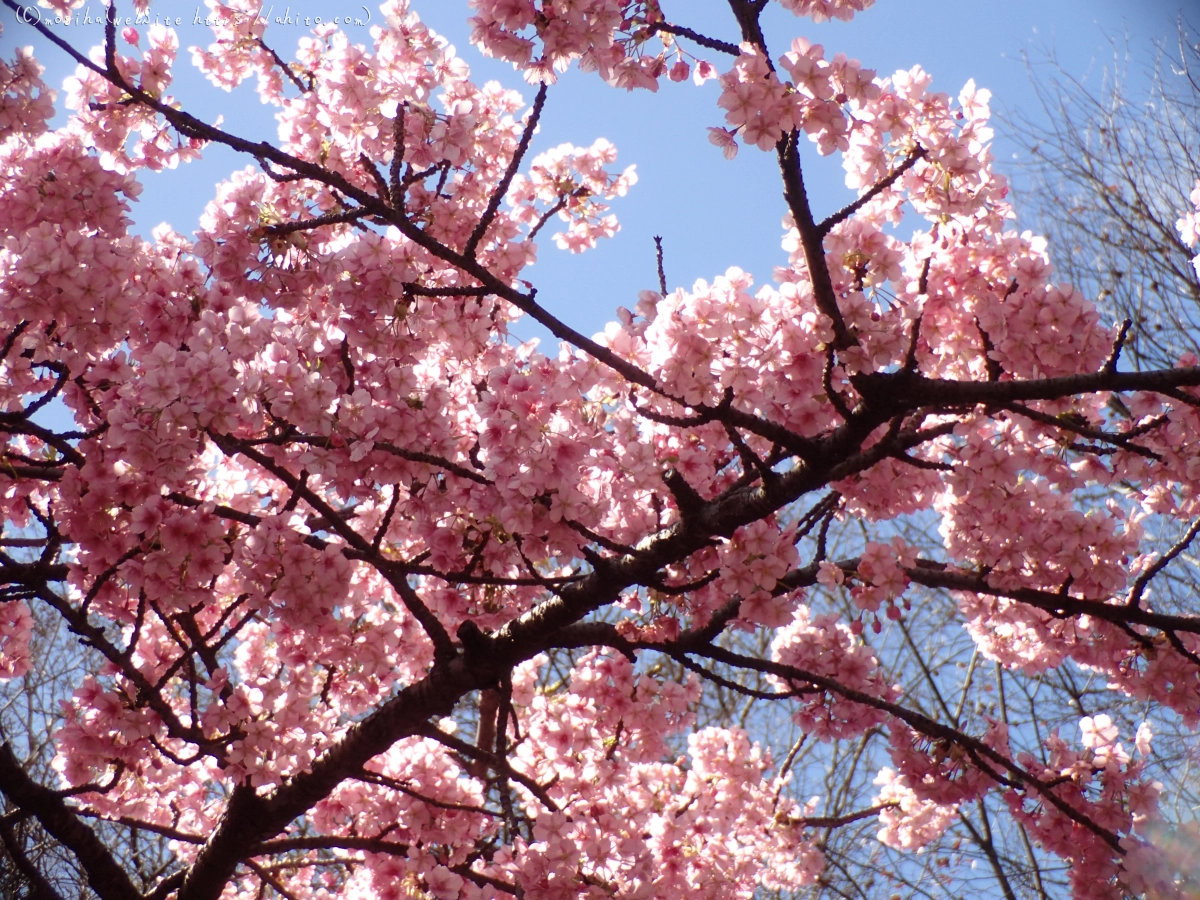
x: 712, y: 213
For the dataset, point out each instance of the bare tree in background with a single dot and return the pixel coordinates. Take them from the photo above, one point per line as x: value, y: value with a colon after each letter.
x: 1108, y: 171
x: 1105, y: 174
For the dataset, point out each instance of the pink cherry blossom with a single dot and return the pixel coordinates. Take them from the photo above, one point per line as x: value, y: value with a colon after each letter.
x: 346, y: 592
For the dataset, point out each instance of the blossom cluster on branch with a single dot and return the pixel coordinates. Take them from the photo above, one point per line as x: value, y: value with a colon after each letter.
x: 318, y: 516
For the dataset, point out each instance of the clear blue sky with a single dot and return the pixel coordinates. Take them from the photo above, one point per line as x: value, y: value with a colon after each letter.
x: 711, y: 213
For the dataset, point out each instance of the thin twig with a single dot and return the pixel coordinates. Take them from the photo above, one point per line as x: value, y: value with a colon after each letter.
x: 1139, y: 586
x: 662, y: 276
x: 694, y: 36
x: 1110, y: 364
x: 510, y: 172
x: 287, y: 70
x: 878, y: 188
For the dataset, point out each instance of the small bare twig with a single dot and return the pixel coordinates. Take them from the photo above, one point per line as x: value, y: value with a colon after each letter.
x: 878, y: 188
x: 510, y: 172
x: 693, y: 36
x: 1110, y: 364
x: 662, y: 276
x: 1143, y: 580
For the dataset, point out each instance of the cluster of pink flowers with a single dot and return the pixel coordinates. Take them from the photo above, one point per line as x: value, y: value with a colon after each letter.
x: 909, y: 822
x: 305, y: 436
x: 25, y: 101
x: 572, y: 181
x: 16, y: 629
x: 823, y: 10
x: 638, y: 824
x: 826, y: 647
x: 1189, y: 224
x: 106, y: 122
x: 237, y: 50
x: 543, y: 37
x: 1107, y: 784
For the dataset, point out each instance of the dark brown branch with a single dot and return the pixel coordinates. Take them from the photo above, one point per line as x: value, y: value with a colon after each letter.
x: 752, y: 463
x: 31, y: 574
x: 1058, y: 605
x: 402, y: 788
x: 11, y: 339
x: 693, y: 36
x: 1067, y: 423
x: 431, y: 459
x: 266, y: 878
x: 835, y: 399
x: 489, y: 213
x: 727, y: 413
x: 278, y: 177
x: 55, y: 389
x: 38, y: 472
x: 93, y: 787
x: 546, y: 217
x: 377, y: 542
x: 367, y: 844
x: 1139, y: 586
x: 341, y: 218
x: 909, y: 391
x: 480, y: 879
x: 658, y: 256
x: 687, y: 500
x: 917, y: 463
x: 167, y: 886
x: 994, y: 369
x: 880, y: 186
x: 811, y: 237
x: 500, y: 765
x: 1183, y: 651
x: 105, y: 876
x: 596, y: 538
x: 463, y: 577
x: 678, y: 590
x: 286, y: 69
x: 19, y: 423
x: 381, y: 185
x: 23, y: 542
x: 173, y: 833
x: 910, y: 358
x: 42, y: 889
x: 458, y: 291
x: 709, y: 675
x: 396, y: 189
x: 839, y: 821
x: 1110, y: 364
x: 104, y: 577
x: 923, y: 280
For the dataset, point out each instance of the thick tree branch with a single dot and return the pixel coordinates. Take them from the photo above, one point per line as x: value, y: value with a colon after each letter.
x: 811, y: 237
x: 105, y: 876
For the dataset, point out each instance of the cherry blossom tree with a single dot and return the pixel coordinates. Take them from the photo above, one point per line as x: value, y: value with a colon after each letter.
x: 334, y: 590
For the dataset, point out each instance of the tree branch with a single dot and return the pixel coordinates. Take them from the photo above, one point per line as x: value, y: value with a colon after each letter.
x: 105, y: 876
